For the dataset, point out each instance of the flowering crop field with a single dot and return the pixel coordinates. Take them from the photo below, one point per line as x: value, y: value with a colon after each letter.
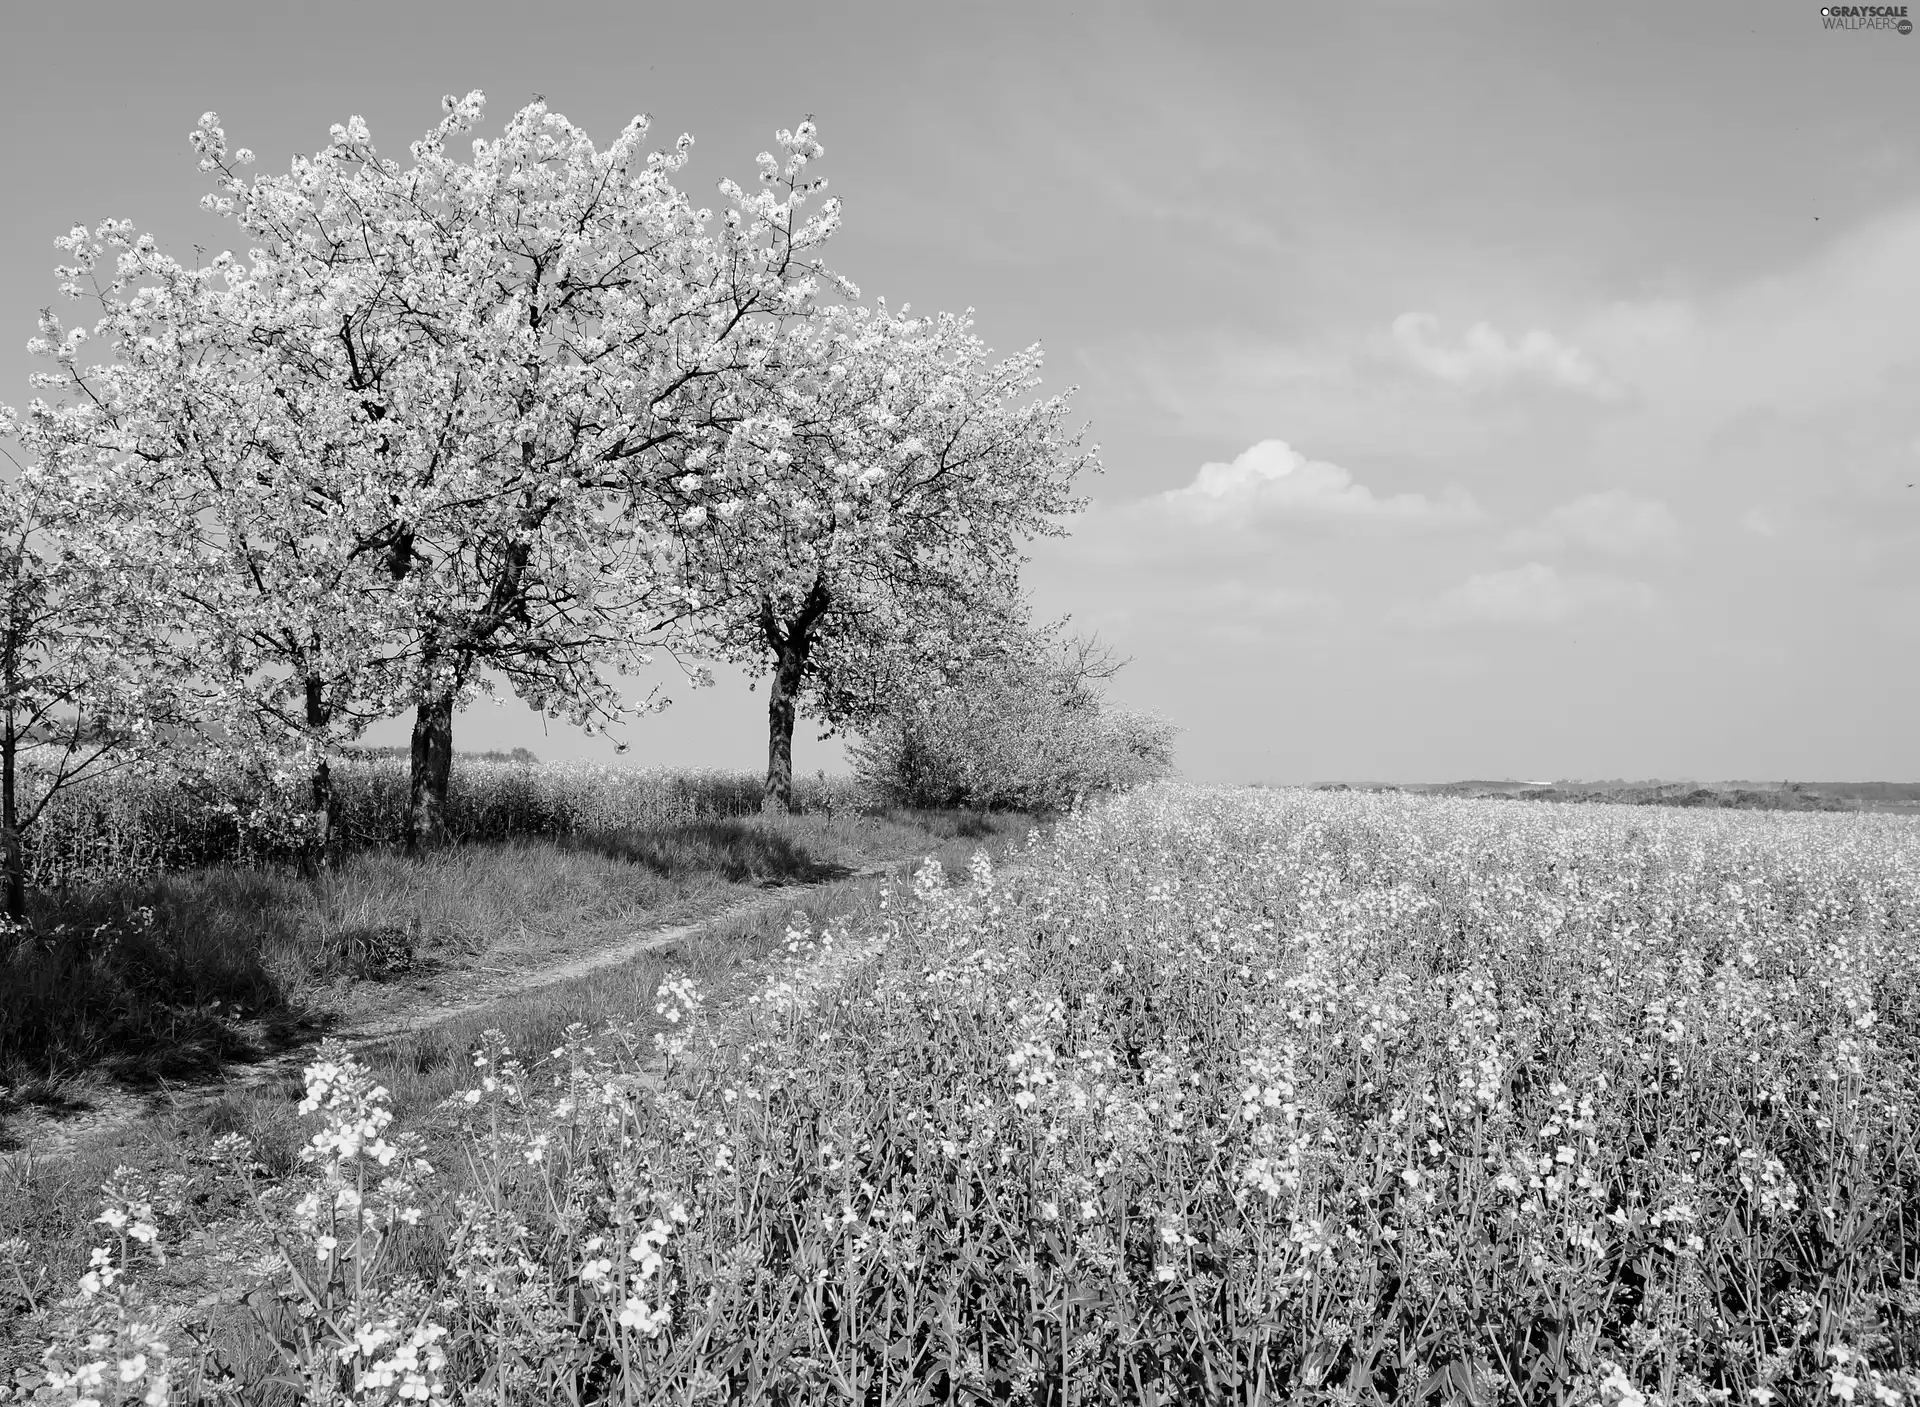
x: 1215, y: 1097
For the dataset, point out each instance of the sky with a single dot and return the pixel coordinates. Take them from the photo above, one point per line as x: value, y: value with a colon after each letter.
x: 1482, y: 390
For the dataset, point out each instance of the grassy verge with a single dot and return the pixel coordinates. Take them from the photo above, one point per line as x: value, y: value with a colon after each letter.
x: 169, y: 978
x: 236, y: 965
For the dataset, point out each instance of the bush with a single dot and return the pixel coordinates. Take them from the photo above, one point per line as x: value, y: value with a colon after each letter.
x: 1015, y: 736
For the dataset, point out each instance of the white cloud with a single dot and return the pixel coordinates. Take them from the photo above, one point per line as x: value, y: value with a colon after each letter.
x: 1758, y: 523
x: 1486, y: 357
x: 1535, y: 594
x: 1337, y: 391
x: 1837, y: 331
x: 1614, y: 521
x: 1274, y: 480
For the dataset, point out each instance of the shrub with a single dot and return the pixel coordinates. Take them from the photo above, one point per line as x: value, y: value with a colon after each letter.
x: 1015, y: 735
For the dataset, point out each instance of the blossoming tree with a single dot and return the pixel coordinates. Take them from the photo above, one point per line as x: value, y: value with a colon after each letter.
x: 77, y: 701
x: 858, y: 530
x: 412, y: 435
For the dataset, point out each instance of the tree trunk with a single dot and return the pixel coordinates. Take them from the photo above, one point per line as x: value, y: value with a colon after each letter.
x: 792, y: 663
x: 325, y: 808
x: 12, y: 852
x: 432, y: 768
x: 325, y: 801
x: 791, y: 643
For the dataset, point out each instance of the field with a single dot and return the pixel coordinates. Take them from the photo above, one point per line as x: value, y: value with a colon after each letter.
x: 1255, y: 1096
x: 156, y: 1003
x: 1890, y: 798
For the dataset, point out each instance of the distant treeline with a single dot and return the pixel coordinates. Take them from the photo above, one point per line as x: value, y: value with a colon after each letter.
x: 518, y: 754
x: 1743, y: 796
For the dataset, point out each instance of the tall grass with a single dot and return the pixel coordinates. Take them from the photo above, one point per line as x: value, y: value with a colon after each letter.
x: 174, y: 974
x: 1256, y: 1097
x: 132, y: 825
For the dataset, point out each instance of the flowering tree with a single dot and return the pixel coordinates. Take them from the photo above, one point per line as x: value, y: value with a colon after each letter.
x: 858, y: 531
x: 412, y: 435
x: 75, y: 701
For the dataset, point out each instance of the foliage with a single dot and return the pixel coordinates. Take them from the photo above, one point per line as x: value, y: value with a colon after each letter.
x: 1226, y: 1097
x: 76, y: 703
x: 1025, y: 730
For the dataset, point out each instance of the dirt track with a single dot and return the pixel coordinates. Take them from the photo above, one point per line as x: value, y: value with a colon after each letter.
x: 42, y: 1137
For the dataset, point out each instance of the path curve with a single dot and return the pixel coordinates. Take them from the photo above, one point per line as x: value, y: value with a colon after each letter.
x: 45, y: 1138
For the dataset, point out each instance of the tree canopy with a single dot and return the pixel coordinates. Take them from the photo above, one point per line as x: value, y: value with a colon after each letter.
x: 859, y: 529
x: 414, y: 432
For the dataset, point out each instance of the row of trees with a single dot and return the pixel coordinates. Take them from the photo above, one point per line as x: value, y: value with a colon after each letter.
x: 528, y: 416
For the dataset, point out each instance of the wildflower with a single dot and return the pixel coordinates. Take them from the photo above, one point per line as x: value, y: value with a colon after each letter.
x: 101, y: 1274
x: 1617, y: 1388
x: 638, y: 1315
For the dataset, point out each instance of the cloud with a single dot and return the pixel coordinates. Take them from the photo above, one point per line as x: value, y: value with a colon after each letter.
x: 1614, y: 521
x: 1835, y: 332
x: 1347, y: 391
x: 1272, y: 480
x: 1758, y: 523
x: 1723, y: 380
x: 1535, y: 594
x: 1485, y: 357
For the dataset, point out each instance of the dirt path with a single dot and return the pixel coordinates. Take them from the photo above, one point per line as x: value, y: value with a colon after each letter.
x: 44, y: 1138
x: 497, y: 983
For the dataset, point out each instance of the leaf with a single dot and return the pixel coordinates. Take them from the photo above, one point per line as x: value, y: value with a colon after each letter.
x: 1455, y: 1381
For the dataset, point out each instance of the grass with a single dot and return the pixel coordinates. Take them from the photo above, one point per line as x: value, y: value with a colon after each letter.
x: 168, y: 978
x: 139, y: 824
x: 142, y: 985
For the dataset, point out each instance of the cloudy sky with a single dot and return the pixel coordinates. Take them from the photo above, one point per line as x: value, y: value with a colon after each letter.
x: 1490, y: 390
